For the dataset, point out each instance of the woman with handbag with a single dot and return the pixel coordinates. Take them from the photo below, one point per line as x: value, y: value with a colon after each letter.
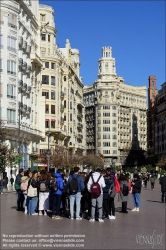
x: 32, y: 193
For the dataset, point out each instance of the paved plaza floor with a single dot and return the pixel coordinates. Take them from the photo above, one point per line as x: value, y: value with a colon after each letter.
x: 136, y: 230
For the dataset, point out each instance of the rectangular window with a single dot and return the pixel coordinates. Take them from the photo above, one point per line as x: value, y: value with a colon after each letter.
x: 47, y: 108
x: 114, y: 107
x: 106, y: 144
x: 65, y: 104
x: 52, y: 65
x: 114, y: 136
x: 106, y: 114
x: 53, y: 109
x: 11, y: 43
x: 52, y: 124
x: 11, y: 116
x: 46, y: 124
x: 11, y: 67
x: 106, y: 136
x: 113, y: 114
x: 11, y: 91
x: 45, y: 79
x: 43, y: 37
x: 114, y: 152
x: 106, y: 152
x: 1, y: 41
x: 46, y: 94
x: 48, y: 38
x: 65, y: 117
x: 106, y: 107
x: 12, y: 20
x: 106, y: 128
x: 1, y: 68
x: 70, y: 105
x: 53, y: 80
x: 113, y: 121
x: 106, y: 121
x: 114, y: 129
x: 47, y: 64
x: 71, y: 117
x: 114, y: 144
x: 42, y: 17
x: 53, y: 95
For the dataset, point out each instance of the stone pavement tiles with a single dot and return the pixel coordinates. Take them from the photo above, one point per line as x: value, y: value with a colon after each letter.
x: 135, y: 230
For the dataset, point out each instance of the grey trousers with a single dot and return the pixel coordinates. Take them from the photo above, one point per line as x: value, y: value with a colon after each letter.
x: 99, y: 201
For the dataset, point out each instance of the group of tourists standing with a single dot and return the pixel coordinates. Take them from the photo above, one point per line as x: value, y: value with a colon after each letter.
x: 78, y: 194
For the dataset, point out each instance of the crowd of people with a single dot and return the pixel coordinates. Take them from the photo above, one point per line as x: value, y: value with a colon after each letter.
x: 77, y: 194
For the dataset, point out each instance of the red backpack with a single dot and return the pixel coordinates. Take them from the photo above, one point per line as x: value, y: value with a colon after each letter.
x: 116, y: 183
x: 95, y: 187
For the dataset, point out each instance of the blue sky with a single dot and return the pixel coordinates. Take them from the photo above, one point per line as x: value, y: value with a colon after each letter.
x: 134, y: 29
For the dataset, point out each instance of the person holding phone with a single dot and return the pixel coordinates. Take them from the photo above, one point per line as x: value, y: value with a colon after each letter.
x: 136, y: 185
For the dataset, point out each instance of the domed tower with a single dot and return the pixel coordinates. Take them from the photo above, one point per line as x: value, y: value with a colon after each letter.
x: 107, y: 68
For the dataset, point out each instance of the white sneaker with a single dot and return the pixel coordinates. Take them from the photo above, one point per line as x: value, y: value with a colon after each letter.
x: 92, y: 220
x: 79, y: 218
x: 40, y: 213
x: 101, y: 220
x: 45, y: 213
x: 134, y: 209
x: 112, y: 217
x: 71, y: 218
x: 137, y: 209
x: 35, y: 214
x: 25, y: 212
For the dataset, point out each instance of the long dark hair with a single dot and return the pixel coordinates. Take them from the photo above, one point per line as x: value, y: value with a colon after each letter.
x: 122, y: 177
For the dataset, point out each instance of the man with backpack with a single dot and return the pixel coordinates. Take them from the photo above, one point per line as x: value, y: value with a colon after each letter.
x: 57, y: 194
x: 95, y: 186
x: 75, y: 185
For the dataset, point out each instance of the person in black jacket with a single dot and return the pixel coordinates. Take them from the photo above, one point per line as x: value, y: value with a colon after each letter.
x: 136, y: 184
x: 105, y: 195
x: 20, y: 195
x: 163, y: 187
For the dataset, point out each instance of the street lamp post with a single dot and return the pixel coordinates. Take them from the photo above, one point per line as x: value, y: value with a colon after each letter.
x: 48, y: 153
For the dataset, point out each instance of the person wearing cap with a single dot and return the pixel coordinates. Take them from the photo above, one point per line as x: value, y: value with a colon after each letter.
x: 136, y: 185
x: 163, y: 187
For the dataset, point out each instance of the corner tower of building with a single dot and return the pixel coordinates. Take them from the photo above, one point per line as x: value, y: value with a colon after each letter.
x: 106, y: 65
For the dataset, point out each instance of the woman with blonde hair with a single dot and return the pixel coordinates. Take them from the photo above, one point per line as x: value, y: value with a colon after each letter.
x: 44, y: 185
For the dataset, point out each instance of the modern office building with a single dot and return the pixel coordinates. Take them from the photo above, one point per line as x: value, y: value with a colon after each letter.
x: 63, y: 90
x: 21, y: 103
x: 115, y: 114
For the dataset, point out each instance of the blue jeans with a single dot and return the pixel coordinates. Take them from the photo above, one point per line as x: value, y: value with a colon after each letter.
x: 25, y: 202
x: 73, y: 198
x: 32, y: 202
x: 136, y: 199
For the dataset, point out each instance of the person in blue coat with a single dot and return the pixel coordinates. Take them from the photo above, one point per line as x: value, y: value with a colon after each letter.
x: 57, y: 195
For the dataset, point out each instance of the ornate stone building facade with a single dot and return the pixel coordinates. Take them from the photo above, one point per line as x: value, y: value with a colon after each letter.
x: 115, y: 116
x: 62, y: 88
x: 22, y: 105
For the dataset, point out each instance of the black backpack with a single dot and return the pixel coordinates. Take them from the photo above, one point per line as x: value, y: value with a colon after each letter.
x: 53, y: 184
x: 73, y: 185
x: 125, y: 190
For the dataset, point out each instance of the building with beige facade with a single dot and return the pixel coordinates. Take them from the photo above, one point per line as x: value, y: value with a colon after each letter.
x: 115, y: 114
x: 22, y: 105
x: 62, y: 88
